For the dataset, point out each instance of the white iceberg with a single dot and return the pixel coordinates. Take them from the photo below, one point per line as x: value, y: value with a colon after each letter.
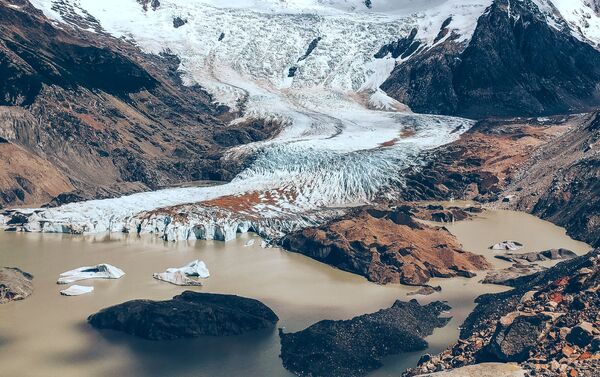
x: 180, y: 276
x: 195, y: 268
x: 177, y: 278
x: 76, y: 290
x: 249, y: 243
x: 507, y: 245
x: 100, y: 271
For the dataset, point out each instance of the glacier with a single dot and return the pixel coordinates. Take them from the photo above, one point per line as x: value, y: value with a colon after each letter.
x: 344, y: 141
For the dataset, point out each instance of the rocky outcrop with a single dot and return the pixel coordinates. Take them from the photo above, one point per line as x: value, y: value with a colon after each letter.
x: 14, y: 284
x: 355, y: 347
x: 386, y: 245
x: 547, y: 324
x: 516, y: 336
x: 516, y: 64
x: 188, y: 315
x: 552, y: 254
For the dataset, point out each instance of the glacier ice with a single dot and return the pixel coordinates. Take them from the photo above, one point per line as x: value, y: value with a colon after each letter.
x: 181, y: 275
x: 176, y: 278
x: 100, y: 271
x: 344, y: 141
x: 77, y: 290
x: 196, y: 268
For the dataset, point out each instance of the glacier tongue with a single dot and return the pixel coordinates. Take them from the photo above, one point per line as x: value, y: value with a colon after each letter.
x: 341, y: 145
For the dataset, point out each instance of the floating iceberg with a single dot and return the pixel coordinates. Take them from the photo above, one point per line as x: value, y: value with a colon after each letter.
x: 180, y: 276
x: 507, y: 245
x: 76, y: 290
x: 249, y: 243
x: 177, y: 278
x: 100, y: 271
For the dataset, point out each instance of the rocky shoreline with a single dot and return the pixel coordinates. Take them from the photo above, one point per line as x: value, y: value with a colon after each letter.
x: 549, y: 324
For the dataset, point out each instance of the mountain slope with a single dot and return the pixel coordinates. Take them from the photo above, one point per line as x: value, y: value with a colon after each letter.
x: 518, y: 62
x: 107, y: 118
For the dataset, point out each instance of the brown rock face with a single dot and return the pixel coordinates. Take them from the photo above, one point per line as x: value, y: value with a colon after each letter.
x: 14, y: 284
x: 386, y: 246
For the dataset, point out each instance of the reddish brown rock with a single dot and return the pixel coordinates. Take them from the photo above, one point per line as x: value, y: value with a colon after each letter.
x: 386, y: 246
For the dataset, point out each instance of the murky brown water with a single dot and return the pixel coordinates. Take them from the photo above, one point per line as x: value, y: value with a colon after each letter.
x: 47, y: 335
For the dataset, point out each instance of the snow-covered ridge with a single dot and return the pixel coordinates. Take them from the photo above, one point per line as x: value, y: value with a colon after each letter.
x: 582, y: 17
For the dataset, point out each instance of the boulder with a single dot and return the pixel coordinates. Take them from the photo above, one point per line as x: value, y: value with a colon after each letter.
x: 582, y: 334
x: 188, y: 315
x: 100, y: 271
x: 14, y: 284
x: 516, y: 335
x: 595, y: 345
x: 355, y: 347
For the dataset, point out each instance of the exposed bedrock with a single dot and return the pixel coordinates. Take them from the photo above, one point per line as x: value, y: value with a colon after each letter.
x: 548, y: 324
x: 355, y: 347
x: 516, y: 64
x: 386, y: 245
x: 187, y: 315
x: 14, y: 284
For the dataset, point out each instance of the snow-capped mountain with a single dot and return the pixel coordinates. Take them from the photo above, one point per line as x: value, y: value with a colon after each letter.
x: 340, y: 76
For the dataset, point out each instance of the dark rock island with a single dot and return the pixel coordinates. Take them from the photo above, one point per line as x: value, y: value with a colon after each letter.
x: 188, y: 315
x: 355, y: 347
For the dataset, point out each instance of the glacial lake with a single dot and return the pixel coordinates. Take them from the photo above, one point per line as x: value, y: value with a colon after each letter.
x: 47, y: 334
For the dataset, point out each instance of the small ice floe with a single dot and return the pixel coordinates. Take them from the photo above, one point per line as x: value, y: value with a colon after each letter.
x: 181, y: 276
x: 507, y: 245
x: 250, y: 243
x: 76, y: 290
x: 100, y: 271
